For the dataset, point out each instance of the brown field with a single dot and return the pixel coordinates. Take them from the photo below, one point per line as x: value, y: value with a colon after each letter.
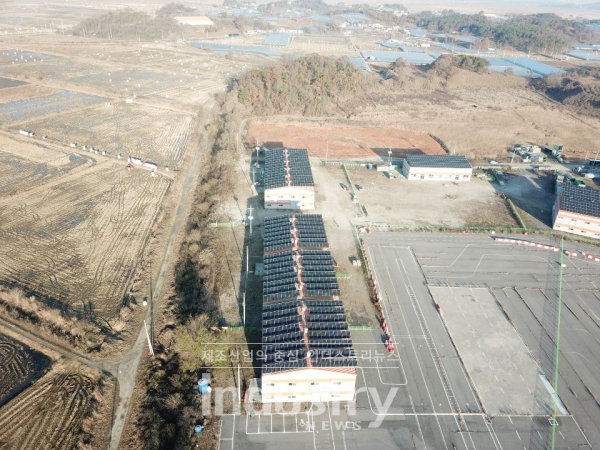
x: 24, y: 92
x: 84, y: 236
x: 51, y: 413
x: 345, y: 142
x: 19, y: 366
x: 152, y: 134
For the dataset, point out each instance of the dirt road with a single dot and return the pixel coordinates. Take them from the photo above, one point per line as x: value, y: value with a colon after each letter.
x: 127, y: 366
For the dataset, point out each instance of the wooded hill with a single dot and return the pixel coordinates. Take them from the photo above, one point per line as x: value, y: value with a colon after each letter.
x: 313, y: 86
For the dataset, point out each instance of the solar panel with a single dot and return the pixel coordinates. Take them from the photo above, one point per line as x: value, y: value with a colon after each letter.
x: 580, y: 200
x: 446, y: 161
x: 301, y: 306
x: 287, y: 167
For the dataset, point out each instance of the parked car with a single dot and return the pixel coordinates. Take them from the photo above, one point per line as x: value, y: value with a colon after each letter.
x: 358, y: 187
x: 389, y: 175
x: 344, y: 187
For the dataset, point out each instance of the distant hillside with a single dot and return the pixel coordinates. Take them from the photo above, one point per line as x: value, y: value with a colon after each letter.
x: 537, y: 32
x: 127, y: 24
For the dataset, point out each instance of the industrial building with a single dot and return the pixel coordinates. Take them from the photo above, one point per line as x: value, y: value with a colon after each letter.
x: 577, y: 210
x: 308, y: 354
x: 289, y: 182
x: 193, y: 20
x: 437, y: 167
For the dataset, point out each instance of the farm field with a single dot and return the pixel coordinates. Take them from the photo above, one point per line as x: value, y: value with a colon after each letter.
x: 13, y: 56
x: 41, y: 106
x: 57, y: 70
x: 84, y: 235
x: 148, y: 133
x: 19, y: 366
x: 8, y: 83
x: 345, y: 142
x: 20, y: 174
x: 50, y: 414
x: 24, y: 92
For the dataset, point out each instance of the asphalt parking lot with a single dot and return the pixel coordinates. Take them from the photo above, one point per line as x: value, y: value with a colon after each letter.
x: 473, y: 377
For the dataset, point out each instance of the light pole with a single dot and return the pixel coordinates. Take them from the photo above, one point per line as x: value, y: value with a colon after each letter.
x: 326, y: 151
x: 390, y: 157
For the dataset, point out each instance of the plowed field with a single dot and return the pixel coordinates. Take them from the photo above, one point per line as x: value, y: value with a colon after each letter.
x: 151, y: 134
x: 19, y: 366
x: 346, y: 143
x: 48, y: 415
x: 76, y: 242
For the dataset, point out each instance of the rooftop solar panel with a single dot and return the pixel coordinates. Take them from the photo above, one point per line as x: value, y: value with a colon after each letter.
x: 301, y: 307
x: 446, y: 161
x: 580, y: 200
x: 281, y: 163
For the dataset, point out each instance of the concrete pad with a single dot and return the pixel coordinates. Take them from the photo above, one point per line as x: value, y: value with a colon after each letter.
x: 503, y: 371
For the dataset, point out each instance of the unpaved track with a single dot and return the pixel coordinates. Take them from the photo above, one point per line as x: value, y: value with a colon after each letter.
x: 127, y: 366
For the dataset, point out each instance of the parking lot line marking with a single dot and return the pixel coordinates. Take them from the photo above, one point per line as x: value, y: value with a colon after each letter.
x: 518, y: 434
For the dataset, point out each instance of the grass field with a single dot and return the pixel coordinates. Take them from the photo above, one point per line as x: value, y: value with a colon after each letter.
x: 83, y: 235
x: 148, y: 133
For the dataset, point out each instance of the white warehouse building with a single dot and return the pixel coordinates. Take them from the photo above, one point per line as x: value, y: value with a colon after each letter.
x: 289, y: 182
x: 437, y: 167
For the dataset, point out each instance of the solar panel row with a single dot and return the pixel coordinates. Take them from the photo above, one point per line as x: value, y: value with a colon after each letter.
x: 304, y: 322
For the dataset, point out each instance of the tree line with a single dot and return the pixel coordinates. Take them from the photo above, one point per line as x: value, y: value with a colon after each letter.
x: 536, y: 32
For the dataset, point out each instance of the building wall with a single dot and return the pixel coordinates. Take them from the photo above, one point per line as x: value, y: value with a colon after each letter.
x: 569, y: 222
x: 436, y: 173
x: 290, y: 198
x: 304, y: 385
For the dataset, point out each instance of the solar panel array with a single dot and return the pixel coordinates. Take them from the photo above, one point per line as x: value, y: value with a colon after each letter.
x: 233, y: 48
x: 299, y: 168
x: 281, y: 280
x: 302, y: 326
x: 278, y: 39
x: 582, y: 54
x: 580, y: 200
x: 446, y: 161
x: 310, y: 234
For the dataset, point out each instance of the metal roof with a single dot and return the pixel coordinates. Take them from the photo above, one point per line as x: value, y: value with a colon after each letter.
x: 449, y: 161
x: 580, y: 200
x: 287, y: 167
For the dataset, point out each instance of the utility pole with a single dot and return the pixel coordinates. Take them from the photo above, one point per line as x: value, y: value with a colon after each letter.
x: 250, y: 218
x: 559, y: 307
x: 148, y: 338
